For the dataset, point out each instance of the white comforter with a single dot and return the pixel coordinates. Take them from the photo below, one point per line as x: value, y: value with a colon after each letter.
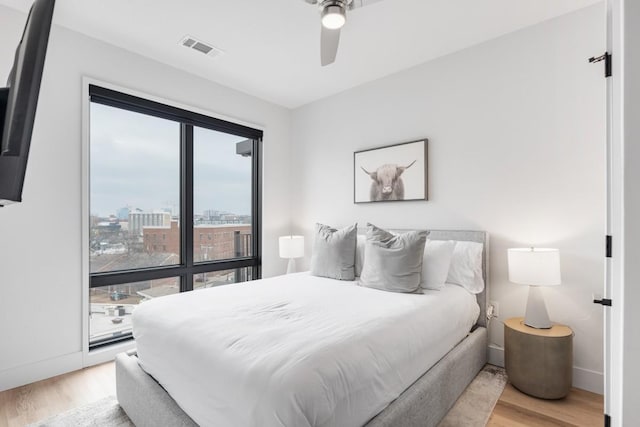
x: 296, y: 350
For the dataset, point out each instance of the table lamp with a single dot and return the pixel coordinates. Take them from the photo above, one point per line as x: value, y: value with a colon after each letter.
x: 291, y: 247
x: 535, y: 267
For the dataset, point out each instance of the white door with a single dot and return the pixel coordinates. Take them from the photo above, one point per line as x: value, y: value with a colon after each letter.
x: 622, y: 319
x: 613, y: 221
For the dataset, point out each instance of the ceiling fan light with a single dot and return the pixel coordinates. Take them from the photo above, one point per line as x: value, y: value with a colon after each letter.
x: 333, y: 17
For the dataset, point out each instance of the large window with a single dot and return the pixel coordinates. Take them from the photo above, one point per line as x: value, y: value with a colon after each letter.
x: 174, y: 204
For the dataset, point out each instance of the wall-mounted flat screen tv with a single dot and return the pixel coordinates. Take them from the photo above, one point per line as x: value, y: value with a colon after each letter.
x: 18, y: 101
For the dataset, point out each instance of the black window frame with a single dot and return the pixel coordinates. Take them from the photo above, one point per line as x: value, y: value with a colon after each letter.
x: 187, y: 268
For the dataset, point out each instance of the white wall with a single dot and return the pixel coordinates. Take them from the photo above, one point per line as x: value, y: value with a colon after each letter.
x: 40, y: 239
x: 516, y: 130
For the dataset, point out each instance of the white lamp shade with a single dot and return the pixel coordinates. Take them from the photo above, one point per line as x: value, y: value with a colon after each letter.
x: 534, y: 266
x: 291, y: 246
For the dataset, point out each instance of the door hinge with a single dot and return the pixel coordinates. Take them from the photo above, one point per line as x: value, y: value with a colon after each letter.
x: 608, y: 246
x: 603, y: 301
x: 607, y: 420
x: 606, y: 57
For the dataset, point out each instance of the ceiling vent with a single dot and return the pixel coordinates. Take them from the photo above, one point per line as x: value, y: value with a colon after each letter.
x: 200, y: 46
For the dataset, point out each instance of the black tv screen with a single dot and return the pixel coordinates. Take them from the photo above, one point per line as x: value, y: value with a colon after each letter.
x: 18, y: 101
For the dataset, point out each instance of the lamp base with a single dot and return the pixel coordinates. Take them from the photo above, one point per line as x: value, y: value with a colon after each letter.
x: 536, y: 316
x: 291, y: 267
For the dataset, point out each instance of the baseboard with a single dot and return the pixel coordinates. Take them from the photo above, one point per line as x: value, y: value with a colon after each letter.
x: 584, y: 379
x: 32, y: 372
x: 496, y: 355
x: 589, y: 380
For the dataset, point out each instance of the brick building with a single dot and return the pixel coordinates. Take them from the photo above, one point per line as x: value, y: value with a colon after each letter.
x: 210, y: 242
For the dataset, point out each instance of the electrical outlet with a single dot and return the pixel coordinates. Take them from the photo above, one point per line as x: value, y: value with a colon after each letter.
x: 496, y: 309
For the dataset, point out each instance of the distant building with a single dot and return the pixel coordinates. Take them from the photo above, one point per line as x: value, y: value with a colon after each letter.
x: 211, y: 214
x: 138, y: 220
x: 108, y: 226
x: 123, y: 213
x: 214, y: 217
x: 222, y: 241
x: 159, y: 288
x: 162, y: 239
x: 210, y: 242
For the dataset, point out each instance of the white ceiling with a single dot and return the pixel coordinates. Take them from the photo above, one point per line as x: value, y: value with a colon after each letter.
x: 272, y: 46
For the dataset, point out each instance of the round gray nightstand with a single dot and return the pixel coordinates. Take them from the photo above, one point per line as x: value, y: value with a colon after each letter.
x: 539, y: 362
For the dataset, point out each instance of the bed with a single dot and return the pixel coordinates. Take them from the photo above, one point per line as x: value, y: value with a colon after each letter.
x: 329, y: 353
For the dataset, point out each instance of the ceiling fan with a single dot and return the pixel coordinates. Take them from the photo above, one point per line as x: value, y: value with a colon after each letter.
x: 333, y: 17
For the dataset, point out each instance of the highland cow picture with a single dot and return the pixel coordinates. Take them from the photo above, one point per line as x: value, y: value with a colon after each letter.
x: 391, y: 173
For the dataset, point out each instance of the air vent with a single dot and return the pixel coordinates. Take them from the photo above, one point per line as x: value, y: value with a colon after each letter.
x: 200, y: 46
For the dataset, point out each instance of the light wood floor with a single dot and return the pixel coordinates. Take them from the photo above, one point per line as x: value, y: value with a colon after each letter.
x: 515, y: 409
x: 34, y: 402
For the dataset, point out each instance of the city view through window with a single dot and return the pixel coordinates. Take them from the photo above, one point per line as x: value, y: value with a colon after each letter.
x: 135, y: 222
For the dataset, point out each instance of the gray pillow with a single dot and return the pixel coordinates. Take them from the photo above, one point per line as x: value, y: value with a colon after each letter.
x: 393, y: 262
x: 361, y: 240
x: 334, y: 252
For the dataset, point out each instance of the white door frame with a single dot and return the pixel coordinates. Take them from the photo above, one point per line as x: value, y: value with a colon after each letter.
x: 622, y: 319
x: 613, y: 319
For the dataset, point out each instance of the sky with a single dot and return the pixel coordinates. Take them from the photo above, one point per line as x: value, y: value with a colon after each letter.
x: 135, y: 161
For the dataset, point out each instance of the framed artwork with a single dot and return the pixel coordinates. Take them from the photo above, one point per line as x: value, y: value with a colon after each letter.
x: 391, y: 173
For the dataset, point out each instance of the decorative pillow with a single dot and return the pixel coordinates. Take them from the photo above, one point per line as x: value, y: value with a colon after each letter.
x: 435, y: 266
x: 334, y: 252
x: 393, y: 262
x: 360, y: 243
x: 466, y: 266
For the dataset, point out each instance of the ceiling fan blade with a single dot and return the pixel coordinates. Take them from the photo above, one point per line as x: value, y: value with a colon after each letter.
x: 329, y: 40
x: 361, y: 3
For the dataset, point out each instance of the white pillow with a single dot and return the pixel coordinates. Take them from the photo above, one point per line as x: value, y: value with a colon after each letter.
x: 466, y: 266
x: 360, y: 244
x: 435, y: 264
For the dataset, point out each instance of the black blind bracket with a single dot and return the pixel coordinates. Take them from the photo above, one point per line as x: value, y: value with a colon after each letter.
x: 606, y: 57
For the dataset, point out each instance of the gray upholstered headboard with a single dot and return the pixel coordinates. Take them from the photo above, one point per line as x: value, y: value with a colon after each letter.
x: 469, y: 236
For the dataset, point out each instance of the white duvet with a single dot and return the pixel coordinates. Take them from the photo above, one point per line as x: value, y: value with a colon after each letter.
x: 296, y: 350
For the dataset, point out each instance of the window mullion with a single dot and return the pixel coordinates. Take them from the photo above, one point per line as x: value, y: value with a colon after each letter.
x: 186, y: 216
x: 256, y: 206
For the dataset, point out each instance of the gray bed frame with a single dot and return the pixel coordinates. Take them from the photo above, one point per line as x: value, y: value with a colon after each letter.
x: 423, y: 404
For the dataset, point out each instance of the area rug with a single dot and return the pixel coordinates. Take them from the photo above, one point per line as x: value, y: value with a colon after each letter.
x: 473, y: 408
x: 104, y: 413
